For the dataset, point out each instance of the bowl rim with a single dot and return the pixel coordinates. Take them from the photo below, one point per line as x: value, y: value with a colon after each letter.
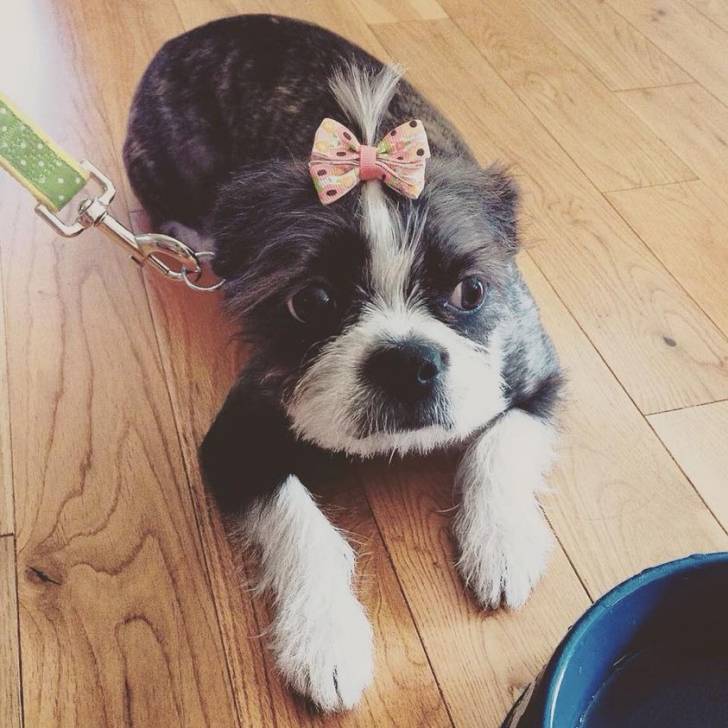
x: 556, y: 670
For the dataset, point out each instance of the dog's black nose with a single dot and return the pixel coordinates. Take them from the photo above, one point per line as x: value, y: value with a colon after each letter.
x: 408, y: 370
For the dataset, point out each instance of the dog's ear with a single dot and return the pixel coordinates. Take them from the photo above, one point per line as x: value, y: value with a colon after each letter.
x: 248, y: 451
x: 255, y: 208
x: 465, y: 201
x: 500, y: 196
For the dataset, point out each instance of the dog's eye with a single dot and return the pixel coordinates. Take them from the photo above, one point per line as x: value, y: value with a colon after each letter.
x: 468, y: 294
x: 312, y: 304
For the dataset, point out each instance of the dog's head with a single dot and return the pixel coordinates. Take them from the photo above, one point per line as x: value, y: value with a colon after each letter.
x: 379, y: 321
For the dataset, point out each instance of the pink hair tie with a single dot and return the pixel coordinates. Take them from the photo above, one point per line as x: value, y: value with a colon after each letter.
x: 368, y: 164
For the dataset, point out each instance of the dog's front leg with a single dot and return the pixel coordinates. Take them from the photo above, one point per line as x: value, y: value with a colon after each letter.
x: 501, y: 532
x: 320, y: 635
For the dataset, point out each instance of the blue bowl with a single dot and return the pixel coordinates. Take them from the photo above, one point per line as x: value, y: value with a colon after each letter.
x: 651, y: 653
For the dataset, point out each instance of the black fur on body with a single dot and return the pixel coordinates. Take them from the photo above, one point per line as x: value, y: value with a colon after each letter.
x: 219, y: 136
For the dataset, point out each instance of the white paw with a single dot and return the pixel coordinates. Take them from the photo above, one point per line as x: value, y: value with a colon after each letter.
x: 503, y: 537
x: 324, y: 649
x: 503, y: 565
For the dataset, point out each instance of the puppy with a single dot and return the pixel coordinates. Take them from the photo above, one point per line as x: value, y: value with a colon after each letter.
x: 390, y: 320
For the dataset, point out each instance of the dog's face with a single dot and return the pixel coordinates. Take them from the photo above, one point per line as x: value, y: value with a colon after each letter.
x: 378, y: 321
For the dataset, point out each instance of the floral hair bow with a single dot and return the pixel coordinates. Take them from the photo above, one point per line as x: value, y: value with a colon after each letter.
x: 339, y: 161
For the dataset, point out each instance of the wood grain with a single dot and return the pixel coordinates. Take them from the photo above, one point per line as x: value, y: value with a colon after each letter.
x: 605, y: 139
x: 391, y: 11
x: 696, y: 437
x: 116, y: 615
x: 199, y: 359
x: 193, y: 13
x: 338, y: 15
x: 686, y: 226
x: 620, y: 56
x: 10, y: 712
x: 686, y: 35
x: 117, y: 624
x: 615, y: 485
x: 7, y: 520
x: 601, y: 270
x: 715, y: 10
x: 693, y: 122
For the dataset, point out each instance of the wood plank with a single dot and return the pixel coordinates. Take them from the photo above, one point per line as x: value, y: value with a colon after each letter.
x: 715, y: 10
x: 107, y: 540
x: 686, y: 35
x: 117, y: 624
x: 10, y: 710
x: 623, y: 299
x: 251, y: 693
x: 198, y: 357
x: 605, y: 139
x: 615, y: 486
x: 693, y: 123
x: 329, y: 13
x: 686, y: 225
x: 619, y: 55
x: 696, y: 437
x: 200, y: 364
x: 392, y: 11
x: 7, y: 524
x: 338, y: 15
x: 193, y: 13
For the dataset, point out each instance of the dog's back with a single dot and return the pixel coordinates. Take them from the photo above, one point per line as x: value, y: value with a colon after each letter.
x: 237, y: 91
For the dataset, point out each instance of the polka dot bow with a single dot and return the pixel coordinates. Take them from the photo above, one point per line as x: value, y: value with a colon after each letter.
x: 339, y: 162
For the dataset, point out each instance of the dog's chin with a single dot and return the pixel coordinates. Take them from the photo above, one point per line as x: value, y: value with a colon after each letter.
x: 404, y: 421
x: 393, y: 442
x: 411, y: 431
x: 408, y: 440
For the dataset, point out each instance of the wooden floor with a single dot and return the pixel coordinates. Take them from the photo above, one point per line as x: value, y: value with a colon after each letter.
x: 120, y: 604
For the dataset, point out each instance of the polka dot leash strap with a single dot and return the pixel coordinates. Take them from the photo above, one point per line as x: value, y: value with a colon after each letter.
x: 36, y: 162
x: 54, y: 179
x: 339, y: 162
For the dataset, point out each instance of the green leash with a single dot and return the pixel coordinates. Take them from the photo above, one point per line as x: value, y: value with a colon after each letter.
x: 54, y: 179
x: 36, y: 162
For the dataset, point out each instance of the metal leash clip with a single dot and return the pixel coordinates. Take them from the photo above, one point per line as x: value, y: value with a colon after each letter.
x: 147, y: 248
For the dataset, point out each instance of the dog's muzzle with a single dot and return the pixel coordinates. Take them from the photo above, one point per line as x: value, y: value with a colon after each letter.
x: 406, y: 383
